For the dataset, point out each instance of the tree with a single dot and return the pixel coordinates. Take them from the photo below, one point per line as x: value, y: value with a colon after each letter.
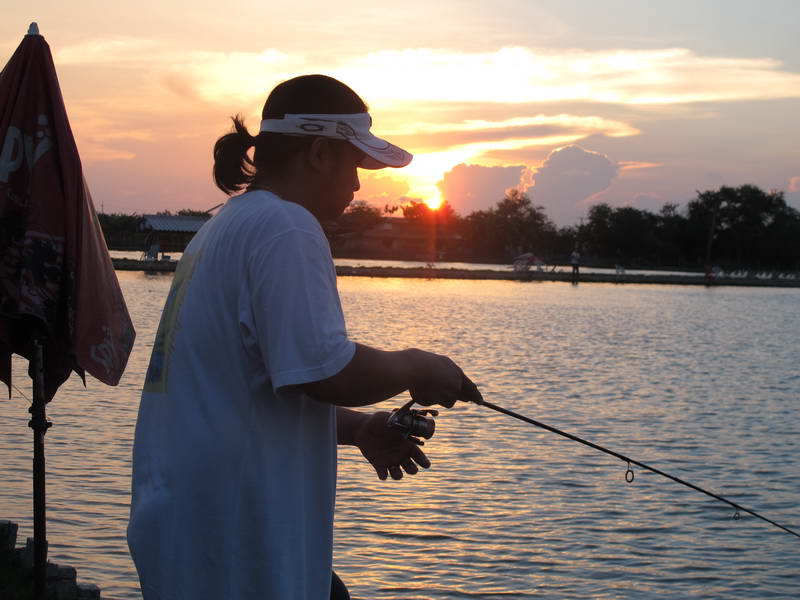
x: 596, y: 232
x: 744, y: 218
x: 752, y: 229
x: 670, y: 234
x: 190, y: 212
x: 510, y: 228
x: 359, y: 216
x: 781, y: 245
x: 438, y: 225
x: 416, y: 210
x: 633, y: 235
x: 118, y: 223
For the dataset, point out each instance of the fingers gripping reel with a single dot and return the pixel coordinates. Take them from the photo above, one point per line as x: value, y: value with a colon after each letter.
x: 413, y: 423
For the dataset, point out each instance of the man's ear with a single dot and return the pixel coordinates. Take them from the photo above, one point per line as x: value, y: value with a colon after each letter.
x: 319, y: 154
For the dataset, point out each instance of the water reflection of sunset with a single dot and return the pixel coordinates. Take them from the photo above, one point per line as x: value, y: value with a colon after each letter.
x: 505, y: 509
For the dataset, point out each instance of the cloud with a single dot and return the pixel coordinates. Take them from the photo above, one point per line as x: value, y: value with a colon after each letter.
x: 468, y: 188
x: 793, y: 192
x: 438, y: 147
x: 210, y: 75
x: 380, y: 190
x: 631, y: 165
x: 133, y: 100
x: 505, y: 75
x: 93, y: 152
x: 521, y: 75
x: 567, y: 181
x: 117, y: 50
x: 648, y: 201
x: 517, y: 132
x: 514, y: 156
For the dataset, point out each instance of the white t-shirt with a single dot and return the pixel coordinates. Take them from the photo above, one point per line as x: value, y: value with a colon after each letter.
x: 234, y: 479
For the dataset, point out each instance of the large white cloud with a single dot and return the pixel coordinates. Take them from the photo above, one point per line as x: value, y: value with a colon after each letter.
x: 568, y: 179
x: 476, y: 187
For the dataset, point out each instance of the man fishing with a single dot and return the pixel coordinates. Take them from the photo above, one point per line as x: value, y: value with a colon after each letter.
x: 252, y: 371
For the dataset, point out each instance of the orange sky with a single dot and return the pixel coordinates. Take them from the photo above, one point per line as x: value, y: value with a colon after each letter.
x: 573, y: 102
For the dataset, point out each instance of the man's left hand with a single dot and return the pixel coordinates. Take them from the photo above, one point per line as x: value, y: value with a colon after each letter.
x: 387, y: 450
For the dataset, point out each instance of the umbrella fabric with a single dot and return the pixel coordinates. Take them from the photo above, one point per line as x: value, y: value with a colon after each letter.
x: 56, y: 277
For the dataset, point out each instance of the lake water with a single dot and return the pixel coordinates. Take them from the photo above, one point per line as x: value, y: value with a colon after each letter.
x: 702, y: 383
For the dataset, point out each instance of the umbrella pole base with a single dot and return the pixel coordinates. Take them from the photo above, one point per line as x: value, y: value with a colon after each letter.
x: 40, y: 425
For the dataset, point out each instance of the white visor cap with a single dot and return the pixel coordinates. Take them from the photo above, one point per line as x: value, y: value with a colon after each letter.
x: 353, y: 128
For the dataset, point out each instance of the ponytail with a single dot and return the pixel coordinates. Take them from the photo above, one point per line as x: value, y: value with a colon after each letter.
x: 233, y: 167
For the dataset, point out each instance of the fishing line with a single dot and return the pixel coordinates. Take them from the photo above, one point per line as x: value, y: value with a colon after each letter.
x: 20, y: 392
x: 476, y: 398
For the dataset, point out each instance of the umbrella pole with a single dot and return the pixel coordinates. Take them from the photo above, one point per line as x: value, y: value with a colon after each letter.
x: 39, y: 424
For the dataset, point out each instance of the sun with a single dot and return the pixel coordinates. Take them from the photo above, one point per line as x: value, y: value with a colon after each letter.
x: 434, y: 202
x: 427, y: 170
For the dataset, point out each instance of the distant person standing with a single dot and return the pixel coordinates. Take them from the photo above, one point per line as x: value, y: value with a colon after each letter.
x: 575, y: 259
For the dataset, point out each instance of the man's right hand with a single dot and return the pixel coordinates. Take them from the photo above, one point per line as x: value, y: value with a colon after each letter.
x: 376, y: 375
x: 438, y: 380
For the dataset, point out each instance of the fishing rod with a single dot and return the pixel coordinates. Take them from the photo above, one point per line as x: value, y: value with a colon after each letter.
x: 415, y: 423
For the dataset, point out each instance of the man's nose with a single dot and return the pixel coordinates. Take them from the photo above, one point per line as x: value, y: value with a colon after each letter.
x: 356, y: 183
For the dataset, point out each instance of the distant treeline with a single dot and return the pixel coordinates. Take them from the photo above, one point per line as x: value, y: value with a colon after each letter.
x: 742, y: 228
x: 733, y: 228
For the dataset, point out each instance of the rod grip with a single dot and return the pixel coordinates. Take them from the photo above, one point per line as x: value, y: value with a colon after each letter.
x: 470, y: 392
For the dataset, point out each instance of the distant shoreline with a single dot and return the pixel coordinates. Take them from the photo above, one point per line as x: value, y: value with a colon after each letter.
x: 123, y: 264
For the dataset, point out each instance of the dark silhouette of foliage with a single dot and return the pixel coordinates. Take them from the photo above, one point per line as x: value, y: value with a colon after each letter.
x: 118, y: 222
x: 622, y: 235
x: 419, y: 211
x: 359, y: 216
x: 438, y: 224
x: 513, y: 226
x: 746, y: 216
x: 190, y: 212
x: 752, y: 229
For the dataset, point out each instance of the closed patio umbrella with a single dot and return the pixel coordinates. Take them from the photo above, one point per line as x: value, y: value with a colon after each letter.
x: 61, y: 306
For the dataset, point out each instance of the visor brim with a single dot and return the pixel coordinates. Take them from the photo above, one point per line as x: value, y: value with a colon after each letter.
x: 379, y: 153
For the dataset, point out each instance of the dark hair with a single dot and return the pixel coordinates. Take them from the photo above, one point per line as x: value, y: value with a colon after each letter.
x: 313, y: 94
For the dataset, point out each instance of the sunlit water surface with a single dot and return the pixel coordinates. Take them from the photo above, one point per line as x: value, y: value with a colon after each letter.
x: 700, y: 382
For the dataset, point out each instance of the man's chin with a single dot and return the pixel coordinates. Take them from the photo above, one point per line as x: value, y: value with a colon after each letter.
x: 344, y: 208
x: 332, y: 216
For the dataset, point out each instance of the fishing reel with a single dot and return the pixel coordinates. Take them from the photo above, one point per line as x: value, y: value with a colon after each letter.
x: 413, y: 423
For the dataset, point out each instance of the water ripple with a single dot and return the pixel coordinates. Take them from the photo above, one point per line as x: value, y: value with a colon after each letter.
x: 700, y: 383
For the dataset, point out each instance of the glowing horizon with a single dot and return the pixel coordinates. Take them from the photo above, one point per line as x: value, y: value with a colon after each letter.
x: 653, y: 119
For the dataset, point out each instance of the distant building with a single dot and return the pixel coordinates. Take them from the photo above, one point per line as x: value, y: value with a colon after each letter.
x: 170, y: 233
x: 398, y: 239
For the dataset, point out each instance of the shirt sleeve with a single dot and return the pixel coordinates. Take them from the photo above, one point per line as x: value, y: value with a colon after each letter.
x: 296, y: 310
